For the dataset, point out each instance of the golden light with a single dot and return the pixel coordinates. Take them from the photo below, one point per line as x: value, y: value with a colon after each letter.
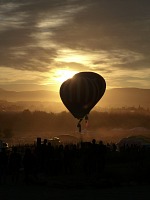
x: 75, y: 59
x: 63, y: 74
x: 72, y: 56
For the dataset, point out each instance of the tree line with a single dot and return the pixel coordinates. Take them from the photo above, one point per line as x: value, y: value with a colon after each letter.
x: 64, y: 121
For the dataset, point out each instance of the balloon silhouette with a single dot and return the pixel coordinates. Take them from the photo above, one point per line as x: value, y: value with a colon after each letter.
x: 81, y: 93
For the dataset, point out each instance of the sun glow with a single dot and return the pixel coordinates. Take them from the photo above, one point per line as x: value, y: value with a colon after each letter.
x: 73, y: 56
x: 76, y: 59
x: 63, y: 74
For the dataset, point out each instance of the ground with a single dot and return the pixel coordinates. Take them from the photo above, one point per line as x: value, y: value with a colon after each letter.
x: 24, y: 192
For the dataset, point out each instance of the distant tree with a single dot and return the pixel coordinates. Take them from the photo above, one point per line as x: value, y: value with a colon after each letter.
x: 7, y: 133
x: 1, y: 134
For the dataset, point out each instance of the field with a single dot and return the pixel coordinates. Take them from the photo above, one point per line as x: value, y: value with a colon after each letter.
x: 123, y: 178
x: 23, y: 192
x: 106, y: 135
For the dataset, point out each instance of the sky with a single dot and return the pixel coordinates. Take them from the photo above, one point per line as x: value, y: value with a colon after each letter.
x: 44, y: 42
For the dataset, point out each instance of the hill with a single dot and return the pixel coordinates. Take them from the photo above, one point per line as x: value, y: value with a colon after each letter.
x: 117, y: 97
x: 38, y: 95
x: 126, y: 97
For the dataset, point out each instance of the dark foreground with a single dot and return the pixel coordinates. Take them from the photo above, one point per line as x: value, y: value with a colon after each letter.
x: 89, y: 171
x: 24, y: 192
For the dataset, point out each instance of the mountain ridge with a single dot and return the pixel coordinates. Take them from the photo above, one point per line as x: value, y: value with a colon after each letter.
x: 115, y: 97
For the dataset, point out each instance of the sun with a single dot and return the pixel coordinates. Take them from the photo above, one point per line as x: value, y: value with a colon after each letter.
x: 63, y: 74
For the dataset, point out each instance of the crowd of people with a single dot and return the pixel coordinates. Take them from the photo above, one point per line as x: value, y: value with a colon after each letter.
x: 87, y: 159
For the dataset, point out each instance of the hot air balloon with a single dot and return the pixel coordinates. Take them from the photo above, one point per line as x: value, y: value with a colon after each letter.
x: 81, y: 93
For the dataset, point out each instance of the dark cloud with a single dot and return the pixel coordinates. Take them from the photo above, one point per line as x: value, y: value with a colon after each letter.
x: 32, y: 59
x: 139, y: 65
x: 113, y: 18
x: 110, y: 25
x: 33, y: 31
x: 24, y: 38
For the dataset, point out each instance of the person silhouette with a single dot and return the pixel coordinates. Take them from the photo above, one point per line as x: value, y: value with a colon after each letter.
x: 3, y: 165
x: 15, y: 164
x: 30, y: 166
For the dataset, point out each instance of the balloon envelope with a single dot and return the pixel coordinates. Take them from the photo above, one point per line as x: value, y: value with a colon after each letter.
x: 82, y: 92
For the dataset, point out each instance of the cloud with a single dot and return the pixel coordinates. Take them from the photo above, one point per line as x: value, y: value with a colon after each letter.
x: 125, y: 78
x: 116, y: 27
x: 16, y: 75
x: 26, y: 32
x: 109, y: 22
x: 100, y: 35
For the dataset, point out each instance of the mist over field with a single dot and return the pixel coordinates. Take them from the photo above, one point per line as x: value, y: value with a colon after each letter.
x: 74, y: 137
x: 109, y: 126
